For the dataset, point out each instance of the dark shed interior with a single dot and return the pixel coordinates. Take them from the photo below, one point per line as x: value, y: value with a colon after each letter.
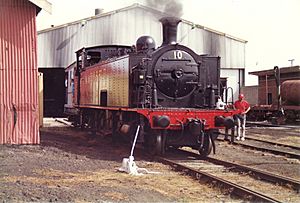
x: 54, y: 91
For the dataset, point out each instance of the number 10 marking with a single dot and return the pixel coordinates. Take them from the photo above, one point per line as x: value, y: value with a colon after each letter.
x: 177, y: 54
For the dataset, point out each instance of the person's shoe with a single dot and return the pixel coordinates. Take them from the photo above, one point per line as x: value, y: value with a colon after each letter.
x: 237, y: 138
x: 242, y: 138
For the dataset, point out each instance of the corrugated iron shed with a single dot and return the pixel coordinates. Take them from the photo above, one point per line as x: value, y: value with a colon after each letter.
x: 18, y: 73
x: 56, y: 46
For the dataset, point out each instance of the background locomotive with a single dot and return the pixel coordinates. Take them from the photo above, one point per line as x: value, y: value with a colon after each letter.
x: 291, y: 99
x: 170, y: 92
x: 286, y: 108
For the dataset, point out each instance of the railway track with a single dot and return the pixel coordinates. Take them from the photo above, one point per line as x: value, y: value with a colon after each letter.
x: 262, y: 124
x: 242, y: 181
x: 273, y: 143
x: 288, y: 131
x: 253, y: 123
x: 269, y: 146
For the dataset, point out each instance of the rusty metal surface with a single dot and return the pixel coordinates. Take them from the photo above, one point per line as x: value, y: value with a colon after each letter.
x: 19, y: 112
x: 112, y: 77
x: 290, y: 92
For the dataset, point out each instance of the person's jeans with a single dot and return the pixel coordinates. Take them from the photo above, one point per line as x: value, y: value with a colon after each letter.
x: 241, y: 124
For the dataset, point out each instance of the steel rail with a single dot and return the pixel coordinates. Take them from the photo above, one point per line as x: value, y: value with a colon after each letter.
x: 274, y: 143
x: 273, y: 151
x: 268, y: 142
x: 206, y: 177
x: 251, y: 123
x: 295, y: 184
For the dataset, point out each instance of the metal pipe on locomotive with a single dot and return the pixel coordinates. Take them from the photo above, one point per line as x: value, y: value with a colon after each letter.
x: 169, y: 91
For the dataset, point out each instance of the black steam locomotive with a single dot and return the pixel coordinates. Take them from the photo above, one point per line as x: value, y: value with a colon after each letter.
x: 170, y: 92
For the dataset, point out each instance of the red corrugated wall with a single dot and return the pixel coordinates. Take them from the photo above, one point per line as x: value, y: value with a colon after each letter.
x: 18, y: 73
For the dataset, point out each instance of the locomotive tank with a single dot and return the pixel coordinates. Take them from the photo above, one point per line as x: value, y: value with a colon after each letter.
x: 290, y: 92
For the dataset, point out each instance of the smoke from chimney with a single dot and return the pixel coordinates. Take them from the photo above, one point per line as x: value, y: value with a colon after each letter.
x: 172, y: 7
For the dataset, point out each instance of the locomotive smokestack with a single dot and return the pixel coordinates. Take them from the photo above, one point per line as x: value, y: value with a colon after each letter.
x: 169, y: 30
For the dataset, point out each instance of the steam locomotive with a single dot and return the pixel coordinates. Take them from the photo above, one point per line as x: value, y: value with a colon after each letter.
x: 170, y: 92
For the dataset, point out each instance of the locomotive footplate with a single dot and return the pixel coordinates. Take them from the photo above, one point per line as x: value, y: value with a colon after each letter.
x: 175, y: 119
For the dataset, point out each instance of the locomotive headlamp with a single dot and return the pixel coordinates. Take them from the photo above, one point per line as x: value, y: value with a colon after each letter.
x: 141, y: 77
x: 161, y: 121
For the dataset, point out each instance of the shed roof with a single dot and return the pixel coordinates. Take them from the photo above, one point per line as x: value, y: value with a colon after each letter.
x: 42, y: 4
x: 291, y: 69
x: 136, y: 5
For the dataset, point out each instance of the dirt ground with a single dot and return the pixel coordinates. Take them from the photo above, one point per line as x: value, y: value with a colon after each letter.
x: 71, y: 165
x: 280, y: 165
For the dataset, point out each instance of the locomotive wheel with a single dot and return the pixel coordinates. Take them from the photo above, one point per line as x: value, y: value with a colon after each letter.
x: 155, y: 143
x: 160, y: 144
x: 207, y: 147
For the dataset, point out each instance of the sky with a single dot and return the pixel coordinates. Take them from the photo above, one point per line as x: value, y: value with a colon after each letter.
x: 271, y: 27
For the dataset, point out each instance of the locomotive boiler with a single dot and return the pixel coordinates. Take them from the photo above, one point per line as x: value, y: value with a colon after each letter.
x: 169, y: 91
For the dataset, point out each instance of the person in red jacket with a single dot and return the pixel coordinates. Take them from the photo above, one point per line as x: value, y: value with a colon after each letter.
x: 242, y: 105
